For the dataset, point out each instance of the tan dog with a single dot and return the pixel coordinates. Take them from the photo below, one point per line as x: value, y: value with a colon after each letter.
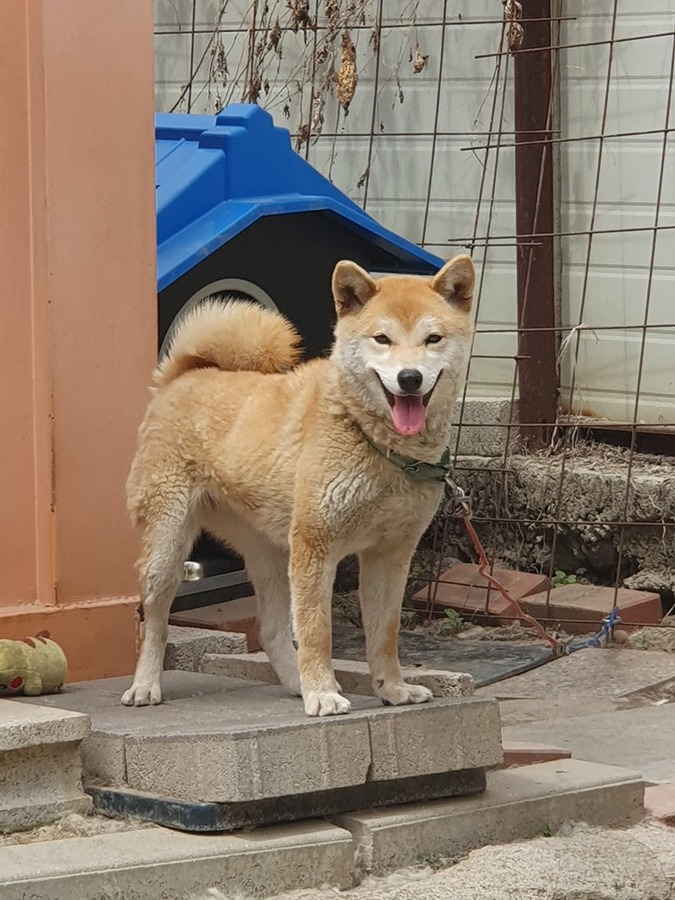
x: 289, y: 468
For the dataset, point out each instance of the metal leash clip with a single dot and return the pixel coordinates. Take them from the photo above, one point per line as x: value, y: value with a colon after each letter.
x: 457, y: 502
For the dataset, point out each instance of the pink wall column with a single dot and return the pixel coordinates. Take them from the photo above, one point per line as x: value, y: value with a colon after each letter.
x: 77, y: 317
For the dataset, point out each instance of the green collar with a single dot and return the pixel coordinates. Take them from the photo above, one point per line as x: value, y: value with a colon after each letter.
x: 416, y: 468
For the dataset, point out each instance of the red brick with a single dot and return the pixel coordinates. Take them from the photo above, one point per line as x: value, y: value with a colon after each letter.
x: 468, y: 591
x: 591, y: 604
x: 235, y: 615
x: 522, y: 753
x: 660, y: 802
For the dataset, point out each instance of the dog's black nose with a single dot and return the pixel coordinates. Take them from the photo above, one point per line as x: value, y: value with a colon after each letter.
x: 409, y: 380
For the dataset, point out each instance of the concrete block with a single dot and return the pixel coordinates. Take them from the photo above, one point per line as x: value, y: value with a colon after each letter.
x: 248, y: 765
x: 24, y: 726
x: 40, y: 766
x: 487, y: 426
x: 186, y: 647
x: 154, y: 863
x: 226, y: 740
x: 354, y: 677
x: 463, y: 589
x: 591, y: 604
x: 525, y: 753
x: 238, y: 616
x: 437, y: 737
x: 660, y: 802
x: 518, y: 804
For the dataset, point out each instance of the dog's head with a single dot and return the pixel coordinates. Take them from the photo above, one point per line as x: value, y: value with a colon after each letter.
x: 403, y: 340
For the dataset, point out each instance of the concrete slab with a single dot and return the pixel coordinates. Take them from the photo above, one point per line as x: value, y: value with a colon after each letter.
x: 24, y: 726
x: 40, y: 765
x: 518, y: 803
x: 230, y: 741
x: 353, y: 676
x: 606, y: 673
x: 156, y: 863
x: 640, y: 739
x: 585, y: 864
x: 186, y: 647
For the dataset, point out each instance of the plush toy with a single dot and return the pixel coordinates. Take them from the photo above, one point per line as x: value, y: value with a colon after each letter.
x: 32, y: 666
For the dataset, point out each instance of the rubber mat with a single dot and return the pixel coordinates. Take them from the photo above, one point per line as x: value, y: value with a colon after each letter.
x: 486, y: 661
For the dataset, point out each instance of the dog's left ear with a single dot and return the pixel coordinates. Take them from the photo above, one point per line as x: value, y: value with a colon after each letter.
x: 352, y: 288
x: 455, y: 281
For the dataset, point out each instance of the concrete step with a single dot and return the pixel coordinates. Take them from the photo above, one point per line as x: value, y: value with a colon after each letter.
x: 229, y: 741
x: 353, y: 676
x: 145, y: 865
x: 518, y: 803
x: 40, y: 765
x: 157, y: 863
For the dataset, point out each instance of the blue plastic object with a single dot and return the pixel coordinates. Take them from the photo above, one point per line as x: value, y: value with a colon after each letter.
x: 217, y: 175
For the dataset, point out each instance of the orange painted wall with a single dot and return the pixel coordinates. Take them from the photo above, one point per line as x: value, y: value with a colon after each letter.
x: 78, y: 309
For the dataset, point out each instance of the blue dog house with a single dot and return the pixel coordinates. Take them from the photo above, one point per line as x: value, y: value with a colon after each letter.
x: 240, y: 213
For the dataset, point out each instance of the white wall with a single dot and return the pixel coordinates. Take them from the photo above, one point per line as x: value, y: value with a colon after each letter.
x: 618, y: 282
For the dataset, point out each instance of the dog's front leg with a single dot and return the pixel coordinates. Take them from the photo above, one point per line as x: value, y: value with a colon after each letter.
x: 382, y: 579
x: 312, y: 574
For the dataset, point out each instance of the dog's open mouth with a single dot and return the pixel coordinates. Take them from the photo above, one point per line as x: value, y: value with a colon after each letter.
x: 408, y: 411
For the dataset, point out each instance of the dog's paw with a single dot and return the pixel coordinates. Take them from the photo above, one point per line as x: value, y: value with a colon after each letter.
x: 142, y: 694
x: 398, y: 694
x: 326, y: 703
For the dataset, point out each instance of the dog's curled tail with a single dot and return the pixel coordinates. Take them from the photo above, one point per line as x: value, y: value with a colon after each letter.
x: 232, y: 336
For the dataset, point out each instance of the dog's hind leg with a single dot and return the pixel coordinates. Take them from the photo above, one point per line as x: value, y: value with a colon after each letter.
x: 166, y: 544
x: 382, y: 580
x: 268, y: 568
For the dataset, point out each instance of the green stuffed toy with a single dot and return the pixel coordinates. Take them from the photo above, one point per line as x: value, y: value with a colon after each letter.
x: 32, y: 666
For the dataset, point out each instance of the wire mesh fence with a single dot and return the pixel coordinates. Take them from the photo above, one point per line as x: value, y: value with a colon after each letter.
x: 539, y: 136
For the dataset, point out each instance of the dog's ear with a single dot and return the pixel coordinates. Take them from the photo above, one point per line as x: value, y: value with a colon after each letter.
x: 352, y: 288
x: 455, y: 281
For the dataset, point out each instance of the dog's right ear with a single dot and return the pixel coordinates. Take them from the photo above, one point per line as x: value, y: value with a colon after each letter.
x: 352, y: 288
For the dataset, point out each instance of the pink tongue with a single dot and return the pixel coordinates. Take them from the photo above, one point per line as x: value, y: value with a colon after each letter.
x: 408, y: 414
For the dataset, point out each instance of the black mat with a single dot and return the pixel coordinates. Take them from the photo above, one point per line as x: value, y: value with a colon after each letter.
x: 486, y: 661
x: 214, y: 817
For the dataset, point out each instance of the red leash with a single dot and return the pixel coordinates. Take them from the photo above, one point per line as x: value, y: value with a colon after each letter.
x: 463, y: 511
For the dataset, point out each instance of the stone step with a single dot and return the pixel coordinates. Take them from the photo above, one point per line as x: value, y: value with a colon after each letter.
x: 518, y: 803
x: 145, y: 865
x: 40, y: 764
x: 155, y: 862
x: 353, y: 676
x: 228, y: 741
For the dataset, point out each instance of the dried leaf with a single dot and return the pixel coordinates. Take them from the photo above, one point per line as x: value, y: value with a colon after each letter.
x: 418, y: 61
x: 347, y: 77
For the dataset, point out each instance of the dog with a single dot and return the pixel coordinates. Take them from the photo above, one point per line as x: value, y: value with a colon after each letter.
x: 297, y: 465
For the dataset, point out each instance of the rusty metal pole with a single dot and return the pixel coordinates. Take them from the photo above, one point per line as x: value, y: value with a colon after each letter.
x: 535, y: 225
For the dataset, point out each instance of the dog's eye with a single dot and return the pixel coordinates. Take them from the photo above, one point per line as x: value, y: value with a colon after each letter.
x: 381, y: 339
x: 434, y: 339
